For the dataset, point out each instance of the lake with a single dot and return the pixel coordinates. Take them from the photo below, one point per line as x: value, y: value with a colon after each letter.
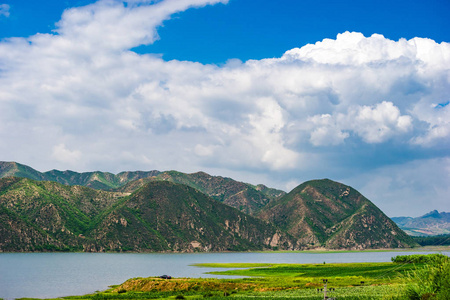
x: 45, y: 275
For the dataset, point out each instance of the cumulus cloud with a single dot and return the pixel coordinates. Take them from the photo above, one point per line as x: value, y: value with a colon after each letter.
x: 353, y: 48
x: 83, y: 86
x: 374, y: 124
x: 326, y: 131
x: 4, y: 10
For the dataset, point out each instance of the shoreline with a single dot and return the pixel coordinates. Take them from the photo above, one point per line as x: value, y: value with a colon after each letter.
x: 318, y: 251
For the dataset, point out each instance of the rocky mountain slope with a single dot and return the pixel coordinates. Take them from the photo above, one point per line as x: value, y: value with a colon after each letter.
x: 432, y: 223
x: 243, y: 196
x: 178, y: 217
x: 160, y: 216
x: 173, y: 211
x: 324, y: 213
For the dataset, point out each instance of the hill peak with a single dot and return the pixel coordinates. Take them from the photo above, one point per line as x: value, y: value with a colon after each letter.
x: 325, y: 213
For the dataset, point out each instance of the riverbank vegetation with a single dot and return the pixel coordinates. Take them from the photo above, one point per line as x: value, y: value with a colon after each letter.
x: 414, y: 277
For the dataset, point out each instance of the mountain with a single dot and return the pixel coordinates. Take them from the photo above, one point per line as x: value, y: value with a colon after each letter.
x: 243, y: 196
x: 160, y: 216
x: 40, y: 215
x: 324, y: 213
x: 432, y: 223
x: 96, y: 180
x: 174, y: 211
x: 176, y: 217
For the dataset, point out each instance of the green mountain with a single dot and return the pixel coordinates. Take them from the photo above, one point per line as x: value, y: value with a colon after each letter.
x: 324, y: 213
x: 243, y: 196
x: 39, y: 215
x: 19, y: 170
x: 96, y: 180
x: 174, y: 211
x: 176, y: 217
x: 160, y: 216
x: 430, y: 224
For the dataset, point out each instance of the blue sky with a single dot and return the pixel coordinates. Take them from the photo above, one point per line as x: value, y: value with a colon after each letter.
x: 272, y: 92
x: 246, y: 29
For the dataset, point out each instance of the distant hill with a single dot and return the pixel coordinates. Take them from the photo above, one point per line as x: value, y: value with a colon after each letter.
x: 430, y: 224
x: 243, y: 196
x: 96, y: 180
x: 160, y: 216
x: 324, y: 213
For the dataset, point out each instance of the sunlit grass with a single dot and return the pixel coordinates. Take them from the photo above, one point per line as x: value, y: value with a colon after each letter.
x: 344, y: 274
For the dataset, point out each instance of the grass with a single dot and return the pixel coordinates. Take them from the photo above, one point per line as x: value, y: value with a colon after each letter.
x: 344, y: 274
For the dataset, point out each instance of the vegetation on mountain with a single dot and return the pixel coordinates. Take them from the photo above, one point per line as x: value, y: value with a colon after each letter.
x: 176, y: 217
x: 48, y: 215
x: 324, y: 213
x: 243, y: 196
x: 95, y: 180
x: 160, y: 216
x: 173, y: 211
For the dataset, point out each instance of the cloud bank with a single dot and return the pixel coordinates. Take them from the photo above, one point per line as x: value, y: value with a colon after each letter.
x: 80, y: 98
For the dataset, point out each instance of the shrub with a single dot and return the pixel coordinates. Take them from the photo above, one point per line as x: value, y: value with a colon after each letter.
x: 420, y: 258
x: 431, y: 282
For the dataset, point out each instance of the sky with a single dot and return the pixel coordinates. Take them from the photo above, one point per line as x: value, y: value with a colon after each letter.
x: 271, y: 92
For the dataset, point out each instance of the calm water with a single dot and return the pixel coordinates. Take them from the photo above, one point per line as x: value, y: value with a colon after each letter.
x: 45, y: 275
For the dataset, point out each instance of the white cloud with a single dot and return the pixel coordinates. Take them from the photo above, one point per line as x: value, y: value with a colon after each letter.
x: 374, y: 124
x: 437, y: 118
x: 62, y: 154
x: 4, y: 10
x: 352, y: 48
x: 83, y: 86
x: 326, y: 131
x: 109, y: 25
x: 377, y: 124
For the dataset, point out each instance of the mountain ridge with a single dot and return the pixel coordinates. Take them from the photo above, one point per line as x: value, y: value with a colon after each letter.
x: 430, y: 224
x: 246, y: 197
x: 316, y: 214
x: 95, y: 179
x: 159, y: 217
